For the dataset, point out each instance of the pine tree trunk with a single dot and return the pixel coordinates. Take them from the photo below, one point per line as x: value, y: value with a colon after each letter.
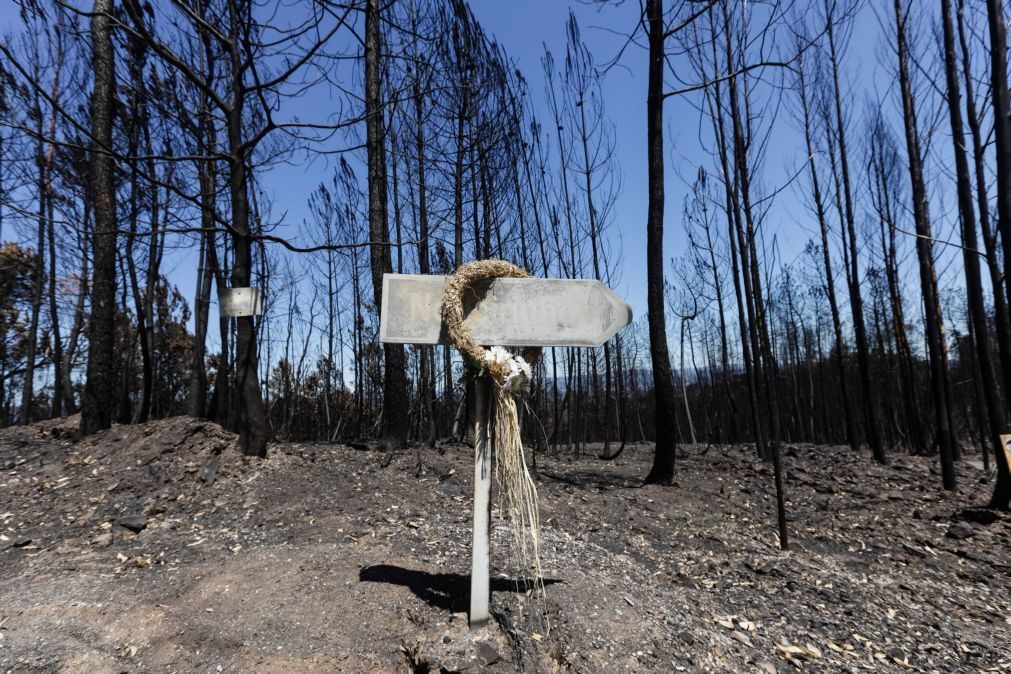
x: 970, y: 242
x: 54, y: 314
x: 819, y: 203
x: 395, y: 402
x: 427, y: 370
x: 662, y: 471
x: 206, y: 143
x: 873, y: 422
x: 1002, y: 147
x: 98, y: 402
x: 251, y: 417
x: 928, y: 280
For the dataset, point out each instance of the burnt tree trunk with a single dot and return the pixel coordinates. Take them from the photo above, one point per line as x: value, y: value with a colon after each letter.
x: 970, y: 256
x: 206, y: 143
x: 662, y: 471
x: 427, y: 383
x: 1002, y: 147
x: 928, y: 279
x: 251, y: 415
x: 871, y: 416
x: 395, y: 401
x: 98, y: 402
x: 833, y: 303
x: 1000, y: 307
x: 54, y: 314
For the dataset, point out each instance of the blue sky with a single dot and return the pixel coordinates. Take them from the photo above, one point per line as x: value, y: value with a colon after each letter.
x: 525, y: 27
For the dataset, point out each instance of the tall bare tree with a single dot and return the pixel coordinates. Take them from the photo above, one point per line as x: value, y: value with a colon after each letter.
x: 1002, y: 147
x: 664, y: 397
x: 871, y: 413
x: 933, y: 318
x: 395, y: 403
x: 99, y: 386
x: 804, y: 92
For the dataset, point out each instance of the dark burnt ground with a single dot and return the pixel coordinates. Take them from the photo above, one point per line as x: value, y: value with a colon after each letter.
x: 158, y: 548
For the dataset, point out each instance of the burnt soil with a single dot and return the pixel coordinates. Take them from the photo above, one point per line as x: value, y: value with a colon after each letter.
x: 159, y: 548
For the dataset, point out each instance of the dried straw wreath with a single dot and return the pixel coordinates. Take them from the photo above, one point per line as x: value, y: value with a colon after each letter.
x: 464, y: 280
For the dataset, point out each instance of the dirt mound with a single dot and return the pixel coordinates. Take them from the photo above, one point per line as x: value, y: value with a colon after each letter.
x: 119, y: 478
x: 38, y: 433
x: 163, y: 452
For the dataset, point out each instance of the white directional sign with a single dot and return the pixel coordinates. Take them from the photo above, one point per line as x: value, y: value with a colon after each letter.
x: 504, y: 312
x: 499, y: 312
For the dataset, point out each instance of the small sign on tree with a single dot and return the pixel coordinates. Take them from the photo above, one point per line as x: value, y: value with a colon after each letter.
x: 235, y: 302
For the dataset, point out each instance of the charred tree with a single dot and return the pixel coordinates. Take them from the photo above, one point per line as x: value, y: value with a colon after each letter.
x: 826, y: 253
x: 871, y: 415
x: 664, y: 396
x: 970, y: 255
x: 1002, y: 147
x: 99, y: 388
x: 933, y: 319
x: 395, y: 400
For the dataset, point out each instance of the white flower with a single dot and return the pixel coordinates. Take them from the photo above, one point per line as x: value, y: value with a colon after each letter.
x: 497, y: 354
x: 518, y: 375
x: 517, y: 370
x: 523, y: 366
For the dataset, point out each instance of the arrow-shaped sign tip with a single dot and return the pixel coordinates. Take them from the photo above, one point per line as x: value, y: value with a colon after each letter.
x: 619, y: 316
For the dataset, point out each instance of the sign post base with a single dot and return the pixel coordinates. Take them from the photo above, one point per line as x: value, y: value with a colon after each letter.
x: 480, y: 589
